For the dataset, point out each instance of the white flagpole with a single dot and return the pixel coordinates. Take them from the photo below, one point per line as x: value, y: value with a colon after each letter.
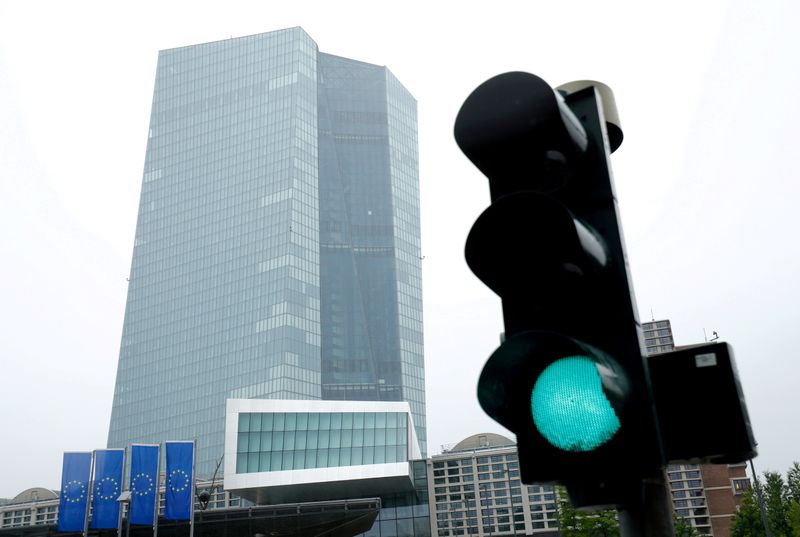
x: 191, y: 508
x: 158, y: 478
x: 89, y: 494
x: 121, y: 490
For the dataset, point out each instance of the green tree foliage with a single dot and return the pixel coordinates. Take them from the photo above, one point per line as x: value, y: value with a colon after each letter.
x: 683, y: 528
x: 794, y: 517
x: 574, y: 523
x: 781, y: 502
x: 567, y: 515
x: 793, y: 482
x: 747, y: 520
x: 777, y: 504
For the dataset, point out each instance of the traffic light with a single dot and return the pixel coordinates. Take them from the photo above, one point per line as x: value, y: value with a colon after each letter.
x: 569, y: 378
x: 707, y: 372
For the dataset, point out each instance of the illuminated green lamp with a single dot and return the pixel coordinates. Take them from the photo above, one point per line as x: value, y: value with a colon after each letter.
x: 570, y: 407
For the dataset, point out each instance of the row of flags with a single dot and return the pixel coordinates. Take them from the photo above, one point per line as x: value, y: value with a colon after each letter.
x: 96, y: 479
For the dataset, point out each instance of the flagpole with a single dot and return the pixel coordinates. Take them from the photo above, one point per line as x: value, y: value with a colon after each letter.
x: 158, y: 478
x: 122, y: 489
x: 191, y: 505
x: 89, y: 495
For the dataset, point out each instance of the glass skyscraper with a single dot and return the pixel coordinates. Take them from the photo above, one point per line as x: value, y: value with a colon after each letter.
x: 277, y: 249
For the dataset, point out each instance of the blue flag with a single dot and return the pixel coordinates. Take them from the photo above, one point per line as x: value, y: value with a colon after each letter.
x: 144, y: 484
x: 107, y: 487
x: 178, y: 501
x: 74, y: 491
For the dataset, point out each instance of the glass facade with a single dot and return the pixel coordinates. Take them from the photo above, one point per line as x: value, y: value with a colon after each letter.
x: 371, y: 290
x: 298, y: 440
x: 256, y: 152
x: 405, y: 514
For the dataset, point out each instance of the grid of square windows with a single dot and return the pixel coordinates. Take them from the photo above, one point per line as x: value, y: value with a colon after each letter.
x: 295, y: 441
x: 482, y: 495
x: 688, y: 495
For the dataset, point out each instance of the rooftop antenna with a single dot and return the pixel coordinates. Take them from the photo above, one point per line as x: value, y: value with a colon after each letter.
x: 716, y: 336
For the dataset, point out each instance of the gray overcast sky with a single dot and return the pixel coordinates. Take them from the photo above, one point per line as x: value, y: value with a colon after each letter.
x: 706, y: 179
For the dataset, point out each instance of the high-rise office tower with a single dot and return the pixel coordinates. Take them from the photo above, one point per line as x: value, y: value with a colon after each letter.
x: 277, y: 250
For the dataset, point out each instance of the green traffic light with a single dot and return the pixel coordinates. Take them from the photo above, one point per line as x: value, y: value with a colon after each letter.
x: 570, y: 408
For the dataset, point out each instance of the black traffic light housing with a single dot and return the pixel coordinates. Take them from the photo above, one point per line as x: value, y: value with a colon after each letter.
x: 700, y: 405
x: 550, y: 245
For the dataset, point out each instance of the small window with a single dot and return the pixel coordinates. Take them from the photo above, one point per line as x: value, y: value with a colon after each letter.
x: 740, y: 485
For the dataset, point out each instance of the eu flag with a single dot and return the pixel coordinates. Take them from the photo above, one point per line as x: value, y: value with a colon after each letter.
x: 144, y: 483
x: 107, y: 486
x: 74, y: 491
x: 178, y: 501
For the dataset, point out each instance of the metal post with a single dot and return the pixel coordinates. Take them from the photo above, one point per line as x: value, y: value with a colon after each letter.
x: 89, y: 494
x: 653, y: 516
x: 191, y: 505
x: 760, y: 499
x: 125, y: 499
x: 122, y: 488
x: 156, y: 502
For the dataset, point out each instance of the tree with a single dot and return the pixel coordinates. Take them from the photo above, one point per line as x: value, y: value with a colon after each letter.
x: 683, y: 528
x: 747, y: 519
x: 793, y: 482
x: 794, y: 517
x: 574, y: 523
x: 776, y: 503
x: 567, y: 515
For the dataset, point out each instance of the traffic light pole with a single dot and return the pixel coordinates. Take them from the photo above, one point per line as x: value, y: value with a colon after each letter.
x: 569, y: 380
x: 653, y: 518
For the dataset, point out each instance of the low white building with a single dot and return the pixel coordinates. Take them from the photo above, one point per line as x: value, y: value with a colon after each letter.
x: 476, y: 490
